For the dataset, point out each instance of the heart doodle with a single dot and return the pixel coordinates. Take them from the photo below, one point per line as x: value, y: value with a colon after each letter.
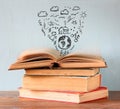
x: 62, y: 26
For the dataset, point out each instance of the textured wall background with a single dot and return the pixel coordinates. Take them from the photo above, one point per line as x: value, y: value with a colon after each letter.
x: 20, y: 30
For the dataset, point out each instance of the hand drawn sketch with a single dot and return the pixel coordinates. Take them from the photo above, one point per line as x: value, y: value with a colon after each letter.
x: 64, y: 12
x: 63, y: 26
x: 54, y: 9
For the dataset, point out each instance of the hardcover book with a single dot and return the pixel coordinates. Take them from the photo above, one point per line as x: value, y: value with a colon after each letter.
x: 62, y: 83
x: 52, y: 58
x: 73, y: 97
x: 63, y: 72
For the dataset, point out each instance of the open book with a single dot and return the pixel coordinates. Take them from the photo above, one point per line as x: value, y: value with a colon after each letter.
x: 51, y: 58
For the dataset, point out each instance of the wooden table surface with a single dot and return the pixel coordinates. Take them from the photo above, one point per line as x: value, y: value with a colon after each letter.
x: 10, y: 100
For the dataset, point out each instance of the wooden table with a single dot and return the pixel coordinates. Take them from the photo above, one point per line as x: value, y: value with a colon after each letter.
x: 10, y: 100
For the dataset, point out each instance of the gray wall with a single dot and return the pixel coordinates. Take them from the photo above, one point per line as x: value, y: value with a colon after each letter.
x: 19, y: 30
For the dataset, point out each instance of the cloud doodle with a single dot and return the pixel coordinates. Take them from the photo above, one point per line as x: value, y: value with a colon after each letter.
x: 54, y: 9
x: 75, y: 8
x: 42, y: 14
x: 63, y: 26
x: 64, y: 12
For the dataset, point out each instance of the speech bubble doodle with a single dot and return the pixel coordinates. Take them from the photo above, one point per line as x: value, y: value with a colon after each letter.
x: 63, y: 26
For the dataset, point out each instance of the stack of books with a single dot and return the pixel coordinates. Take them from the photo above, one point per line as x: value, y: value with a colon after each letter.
x: 72, y: 78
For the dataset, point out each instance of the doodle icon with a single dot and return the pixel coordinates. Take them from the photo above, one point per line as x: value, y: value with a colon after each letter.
x: 63, y: 26
x: 75, y: 8
x: 42, y: 14
x: 54, y: 9
x: 64, y: 42
x: 64, y: 12
x: 83, y: 15
x: 63, y: 30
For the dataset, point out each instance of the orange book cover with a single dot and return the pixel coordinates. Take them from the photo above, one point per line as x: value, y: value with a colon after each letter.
x: 63, y: 96
x: 62, y: 83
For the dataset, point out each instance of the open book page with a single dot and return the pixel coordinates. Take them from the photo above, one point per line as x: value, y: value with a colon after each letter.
x: 74, y: 57
x: 52, y: 58
x: 41, y: 54
x: 81, y: 61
